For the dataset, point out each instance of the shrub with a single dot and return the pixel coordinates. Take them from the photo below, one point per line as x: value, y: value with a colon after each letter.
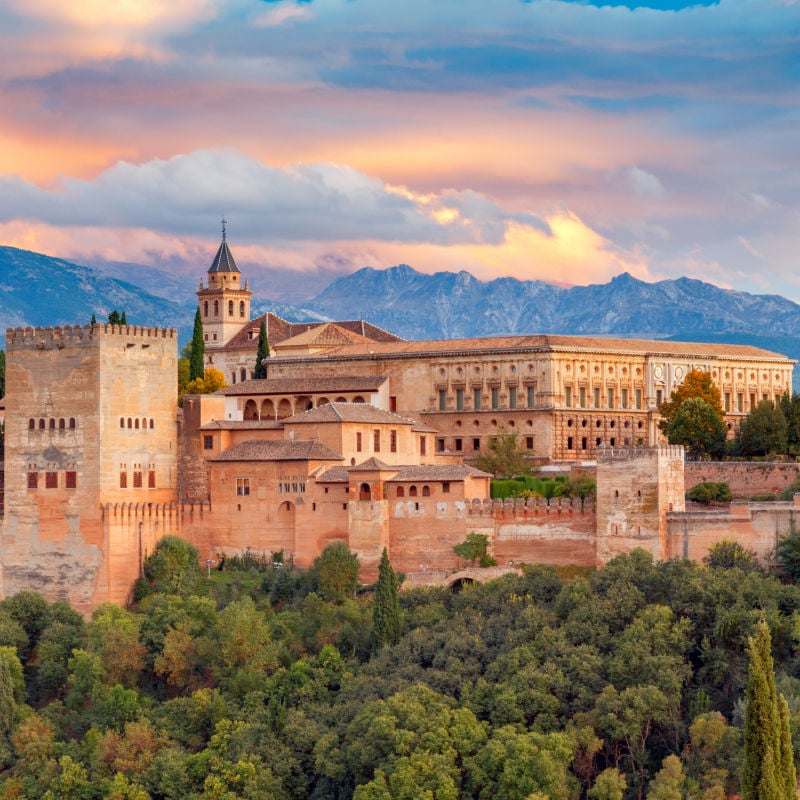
x: 710, y: 492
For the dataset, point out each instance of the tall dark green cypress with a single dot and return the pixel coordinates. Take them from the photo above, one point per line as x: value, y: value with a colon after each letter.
x: 196, y: 365
x: 263, y: 351
x: 768, y: 771
x: 93, y: 321
x: 2, y: 373
x: 386, y: 611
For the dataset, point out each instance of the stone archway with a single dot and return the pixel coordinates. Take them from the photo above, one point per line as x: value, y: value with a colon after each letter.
x: 267, y: 409
x: 284, y: 409
x: 250, y: 410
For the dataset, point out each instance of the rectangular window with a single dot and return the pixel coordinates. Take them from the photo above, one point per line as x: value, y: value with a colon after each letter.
x: 659, y: 396
x: 208, y: 443
x: 624, y: 398
x: 393, y: 441
x: 727, y: 401
x: 766, y: 397
x: 596, y: 397
x: 376, y: 441
x: 440, y: 445
x: 460, y: 399
x: 638, y: 398
x: 611, y: 398
x: 137, y: 479
x: 123, y: 480
x: 51, y: 480
x: 71, y: 479
x: 569, y: 443
x: 582, y: 394
x: 459, y: 445
x: 495, y: 397
x: 529, y: 442
x: 243, y: 487
x: 568, y: 396
x: 476, y: 444
x: 752, y: 401
x: 151, y: 479
x: 739, y: 402
x: 446, y: 487
x: 476, y: 399
x: 392, y: 403
x: 442, y: 400
x: 531, y: 397
x: 358, y: 441
x: 422, y: 445
x: 583, y: 443
x: 512, y: 396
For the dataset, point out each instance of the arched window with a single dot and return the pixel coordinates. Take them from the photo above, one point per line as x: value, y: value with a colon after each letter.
x: 401, y: 492
x: 152, y: 425
x: 31, y: 424
x: 412, y: 492
x: 205, y: 308
x: 364, y: 492
x: 241, y: 309
x: 144, y: 424
x: 62, y: 424
x: 243, y: 374
x: 216, y: 308
x: 230, y: 308
x: 136, y: 424
x: 72, y: 423
x: 426, y: 491
x: 130, y: 422
x: 41, y: 424
x: 52, y: 424
x: 250, y: 410
x: 122, y: 422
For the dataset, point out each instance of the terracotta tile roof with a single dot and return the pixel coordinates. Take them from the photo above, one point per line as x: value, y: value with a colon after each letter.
x: 327, y: 335
x: 373, y: 465
x: 332, y: 475
x: 549, y: 343
x: 438, y: 472
x: 260, y: 450
x: 310, y: 385
x: 279, y: 330
x: 348, y: 412
x: 241, y: 425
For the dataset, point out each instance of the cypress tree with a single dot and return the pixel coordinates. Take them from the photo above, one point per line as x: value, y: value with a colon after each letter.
x: 386, y: 611
x: 768, y: 770
x: 123, y: 320
x: 2, y: 373
x: 196, y: 367
x: 114, y: 318
x: 94, y: 321
x: 263, y: 351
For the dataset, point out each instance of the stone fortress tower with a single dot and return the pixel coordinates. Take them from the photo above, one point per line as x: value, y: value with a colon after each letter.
x: 90, y: 457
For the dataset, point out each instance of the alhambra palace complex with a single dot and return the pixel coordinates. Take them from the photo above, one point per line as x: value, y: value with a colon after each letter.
x: 354, y: 436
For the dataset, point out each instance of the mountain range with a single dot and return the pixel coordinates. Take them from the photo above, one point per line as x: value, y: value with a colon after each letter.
x: 40, y: 290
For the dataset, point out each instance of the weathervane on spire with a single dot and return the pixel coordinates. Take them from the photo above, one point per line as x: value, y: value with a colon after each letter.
x: 224, y: 223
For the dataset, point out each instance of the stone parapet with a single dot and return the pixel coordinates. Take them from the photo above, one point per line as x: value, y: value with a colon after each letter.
x: 528, y: 507
x: 58, y: 336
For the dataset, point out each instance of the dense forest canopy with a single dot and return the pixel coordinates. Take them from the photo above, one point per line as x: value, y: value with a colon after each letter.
x: 627, y: 682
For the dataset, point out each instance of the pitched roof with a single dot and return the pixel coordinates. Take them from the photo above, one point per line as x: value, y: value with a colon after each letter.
x: 332, y: 475
x: 241, y: 425
x: 223, y: 260
x: 373, y: 465
x: 264, y: 450
x: 329, y: 334
x: 348, y: 412
x: 438, y: 472
x: 550, y: 343
x: 310, y: 385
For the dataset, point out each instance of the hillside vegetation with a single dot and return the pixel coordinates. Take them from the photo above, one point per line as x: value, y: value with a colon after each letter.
x: 255, y: 681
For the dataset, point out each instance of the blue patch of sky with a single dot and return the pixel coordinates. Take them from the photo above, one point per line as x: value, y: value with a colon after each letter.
x: 656, y: 5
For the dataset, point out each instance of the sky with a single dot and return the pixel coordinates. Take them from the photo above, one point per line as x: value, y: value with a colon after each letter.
x: 554, y: 140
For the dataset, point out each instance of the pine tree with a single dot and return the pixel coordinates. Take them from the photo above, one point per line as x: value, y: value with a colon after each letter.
x: 386, y: 611
x: 196, y: 367
x: 263, y: 351
x: 768, y: 770
x: 123, y: 320
x: 114, y: 318
x: 94, y: 321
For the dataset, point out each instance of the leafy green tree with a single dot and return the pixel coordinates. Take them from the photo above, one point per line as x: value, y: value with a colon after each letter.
x: 728, y: 554
x: 768, y: 771
x: 502, y: 457
x: 710, y: 492
x: 698, y: 426
x: 762, y: 431
x: 787, y: 553
x: 696, y: 384
x: 196, y: 365
x: 263, y: 351
x: 114, y: 318
x: 475, y: 548
x: 336, y: 571
x: 790, y: 405
x: 114, y: 635
x: 386, y: 610
x: 669, y: 782
x: 172, y: 568
x: 610, y: 784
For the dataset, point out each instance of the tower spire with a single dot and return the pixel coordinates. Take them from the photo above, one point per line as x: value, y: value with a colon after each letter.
x: 224, y: 223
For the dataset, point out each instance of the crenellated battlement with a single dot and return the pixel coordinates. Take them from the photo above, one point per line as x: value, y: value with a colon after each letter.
x: 608, y: 455
x: 157, y: 510
x: 527, y: 507
x: 71, y: 335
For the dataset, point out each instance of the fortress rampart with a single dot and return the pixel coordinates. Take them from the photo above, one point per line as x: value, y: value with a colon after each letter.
x: 59, y: 336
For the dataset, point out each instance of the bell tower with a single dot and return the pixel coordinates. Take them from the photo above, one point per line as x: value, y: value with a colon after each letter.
x: 224, y: 301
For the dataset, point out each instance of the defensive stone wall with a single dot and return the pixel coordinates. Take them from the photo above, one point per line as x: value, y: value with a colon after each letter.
x: 745, y: 478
